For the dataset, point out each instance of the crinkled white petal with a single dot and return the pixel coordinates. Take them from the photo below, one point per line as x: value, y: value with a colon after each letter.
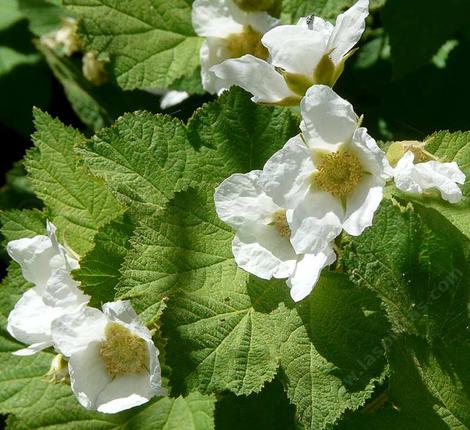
x: 255, y: 76
x: 73, y: 332
x: 261, y: 250
x: 307, y: 273
x: 295, y: 49
x: 33, y: 255
x: 88, y: 374
x: 173, y: 98
x: 30, y: 320
x: 131, y: 390
x: 286, y: 176
x: 372, y: 158
x: 348, y: 30
x: 415, y: 178
x: 217, y: 18
x: 316, y: 24
x: 362, y: 204
x: 213, y: 51
x: 121, y: 311
x: 63, y: 292
x: 327, y: 118
x: 261, y: 22
x: 240, y: 200
x: 315, y: 222
x: 33, y: 349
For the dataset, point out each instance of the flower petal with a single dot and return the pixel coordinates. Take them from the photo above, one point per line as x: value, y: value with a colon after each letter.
x: 73, y: 332
x: 173, y: 98
x: 362, y: 204
x: 403, y: 174
x: 33, y: 255
x: 286, y: 175
x: 373, y: 159
x: 327, y: 118
x: 262, y: 21
x: 217, y: 18
x: 295, y: 49
x: 443, y: 177
x: 121, y: 311
x: 255, y: 76
x: 261, y: 250
x: 307, y: 273
x: 32, y: 349
x: 63, y: 292
x: 317, y: 24
x: 88, y: 375
x: 213, y: 51
x: 30, y: 320
x: 348, y: 30
x: 315, y: 222
x: 240, y: 200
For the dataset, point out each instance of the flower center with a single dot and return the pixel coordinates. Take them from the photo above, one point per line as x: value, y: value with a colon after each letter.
x: 280, y: 222
x: 123, y: 352
x: 247, y: 42
x: 338, y: 173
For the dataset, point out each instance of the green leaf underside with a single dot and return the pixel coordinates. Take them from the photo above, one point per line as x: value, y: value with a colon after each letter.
x: 77, y: 203
x: 332, y: 356
x: 416, y: 264
x: 450, y: 147
x: 151, y: 43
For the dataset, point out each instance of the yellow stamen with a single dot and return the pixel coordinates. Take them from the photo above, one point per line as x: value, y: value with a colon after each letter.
x: 123, y: 352
x: 247, y: 42
x: 280, y: 222
x: 338, y: 173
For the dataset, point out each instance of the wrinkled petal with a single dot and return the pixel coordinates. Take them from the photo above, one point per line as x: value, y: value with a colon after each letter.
x: 327, y: 118
x: 63, y: 292
x: 261, y: 21
x: 33, y: 255
x: 255, y: 76
x: 261, y: 250
x: 372, y: 158
x: 295, y: 49
x: 315, y: 222
x: 240, y: 200
x: 88, y: 375
x: 362, y: 204
x: 32, y: 349
x: 73, y: 332
x: 286, y: 176
x: 217, y: 18
x: 213, y: 52
x: 121, y: 311
x: 307, y: 273
x: 348, y: 30
x: 30, y: 320
x: 173, y: 98
x: 404, y: 174
x: 127, y: 391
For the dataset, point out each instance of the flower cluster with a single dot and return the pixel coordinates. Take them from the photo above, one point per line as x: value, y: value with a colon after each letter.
x: 328, y: 179
x: 112, y: 361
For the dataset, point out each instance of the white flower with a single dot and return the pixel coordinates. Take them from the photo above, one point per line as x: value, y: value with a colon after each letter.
x: 169, y: 98
x: 65, y: 38
x: 331, y: 176
x: 311, y: 52
x: 230, y: 33
x: 416, y: 178
x: 113, y: 362
x: 46, y: 264
x: 261, y: 245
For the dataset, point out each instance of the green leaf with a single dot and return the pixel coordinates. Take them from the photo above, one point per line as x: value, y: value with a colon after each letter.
x: 141, y: 158
x: 417, y: 36
x: 77, y: 203
x: 332, y: 356
x: 99, y: 269
x: 17, y: 224
x: 416, y: 263
x: 450, y: 147
x: 222, y: 326
x: 151, y: 43
x: 233, y: 135
x: 44, y: 16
